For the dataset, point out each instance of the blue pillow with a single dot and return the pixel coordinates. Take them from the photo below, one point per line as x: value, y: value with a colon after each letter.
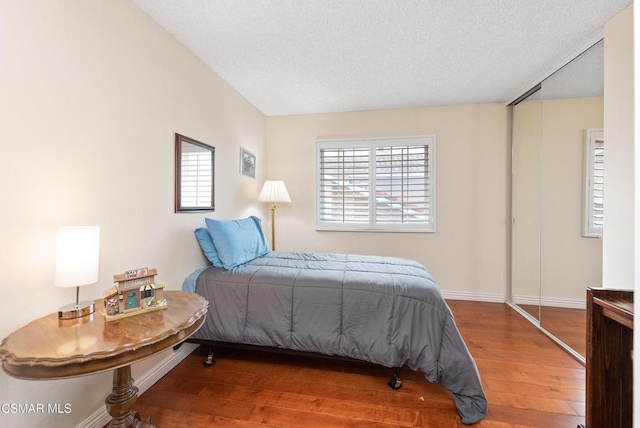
x: 237, y: 241
x: 206, y: 243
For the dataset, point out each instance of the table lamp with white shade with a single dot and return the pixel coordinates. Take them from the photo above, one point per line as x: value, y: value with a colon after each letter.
x: 77, y: 254
x: 274, y: 191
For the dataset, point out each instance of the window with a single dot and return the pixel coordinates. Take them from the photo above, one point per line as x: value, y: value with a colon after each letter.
x: 194, y: 175
x: 594, y: 183
x: 381, y: 184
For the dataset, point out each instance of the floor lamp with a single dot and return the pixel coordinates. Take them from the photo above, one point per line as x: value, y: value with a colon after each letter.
x: 274, y: 191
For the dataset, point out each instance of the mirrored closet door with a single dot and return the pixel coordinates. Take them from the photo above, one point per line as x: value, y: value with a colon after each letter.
x: 557, y: 205
x: 526, y: 203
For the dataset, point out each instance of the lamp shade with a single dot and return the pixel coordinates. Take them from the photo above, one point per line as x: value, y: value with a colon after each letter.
x: 274, y: 191
x: 77, y: 254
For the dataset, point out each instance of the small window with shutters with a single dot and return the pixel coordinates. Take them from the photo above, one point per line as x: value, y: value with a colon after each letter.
x: 383, y: 184
x: 197, y: 173
x: 593, y: 215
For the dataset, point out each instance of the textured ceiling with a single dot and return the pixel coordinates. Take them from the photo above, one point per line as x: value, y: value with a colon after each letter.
x: 582, y: 77
x: 315, y: 56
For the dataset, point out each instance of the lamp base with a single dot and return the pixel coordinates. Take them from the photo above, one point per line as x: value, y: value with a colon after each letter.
x: 76, y: 310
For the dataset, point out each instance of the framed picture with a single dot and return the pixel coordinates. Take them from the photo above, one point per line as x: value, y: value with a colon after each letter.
x: 247, y: 163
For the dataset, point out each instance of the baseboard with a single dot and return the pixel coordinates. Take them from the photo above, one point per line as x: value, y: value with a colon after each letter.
x: 555, y: 302
x: 101, y: 418
x: 527, y: 300
x: 477, y: 297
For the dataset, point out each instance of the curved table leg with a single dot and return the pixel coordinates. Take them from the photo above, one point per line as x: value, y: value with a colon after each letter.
x: 121, y: 400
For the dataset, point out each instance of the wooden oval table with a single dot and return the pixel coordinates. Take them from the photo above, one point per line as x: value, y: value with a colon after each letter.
x: 49, y: 348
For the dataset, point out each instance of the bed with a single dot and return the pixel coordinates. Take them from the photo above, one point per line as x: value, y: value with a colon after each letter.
x: 383, y: 310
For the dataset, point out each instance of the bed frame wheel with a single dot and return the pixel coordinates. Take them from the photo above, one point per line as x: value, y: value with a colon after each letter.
x: 395, y: 383
x: 210, y: 360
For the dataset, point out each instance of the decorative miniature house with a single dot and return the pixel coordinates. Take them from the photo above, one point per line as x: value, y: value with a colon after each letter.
x: 134, y: 292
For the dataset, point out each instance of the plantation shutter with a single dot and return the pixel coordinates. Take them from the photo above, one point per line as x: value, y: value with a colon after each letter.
x: 384, y: 184
x: 598, y: 184
x: 594, y: 183
x: 195, y: 188
x: 402, y: 184
x: 344, y: 185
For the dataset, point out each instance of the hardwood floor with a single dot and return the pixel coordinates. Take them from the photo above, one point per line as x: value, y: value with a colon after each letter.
x: 568, y: 325
x: 529, y: 382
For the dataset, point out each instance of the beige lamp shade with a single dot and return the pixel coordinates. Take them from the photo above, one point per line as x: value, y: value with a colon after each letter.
x: 274, y: 191
x: 77, y: 254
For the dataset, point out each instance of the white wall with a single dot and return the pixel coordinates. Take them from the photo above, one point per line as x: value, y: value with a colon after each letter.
x: 92, y: 94
x: 621, y: 267
x: 468, y: 253
x: 618, y: 246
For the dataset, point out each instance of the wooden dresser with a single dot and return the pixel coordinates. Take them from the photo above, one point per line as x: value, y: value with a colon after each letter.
x: 609, y: 401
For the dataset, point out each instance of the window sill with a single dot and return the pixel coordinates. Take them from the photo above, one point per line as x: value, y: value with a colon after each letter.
x: 375, y: 230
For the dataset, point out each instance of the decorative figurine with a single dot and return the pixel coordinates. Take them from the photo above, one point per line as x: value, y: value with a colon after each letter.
x: 134, y: 292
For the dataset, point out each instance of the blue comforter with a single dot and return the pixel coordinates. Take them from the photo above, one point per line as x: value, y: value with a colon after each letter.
x: 384, y: 310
